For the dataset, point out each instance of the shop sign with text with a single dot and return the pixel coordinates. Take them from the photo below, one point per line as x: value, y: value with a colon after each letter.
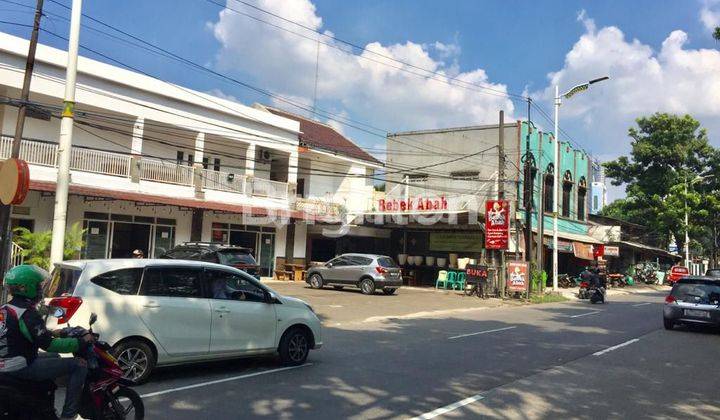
x: 413, y: 204
x: 497, y: 224
x: 517, y: 276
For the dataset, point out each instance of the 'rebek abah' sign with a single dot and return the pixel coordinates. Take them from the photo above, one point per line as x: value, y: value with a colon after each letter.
x: 497, y: 224
x: 517, y: 276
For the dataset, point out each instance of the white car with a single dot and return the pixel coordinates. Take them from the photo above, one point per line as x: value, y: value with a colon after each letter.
x: 167, y: 312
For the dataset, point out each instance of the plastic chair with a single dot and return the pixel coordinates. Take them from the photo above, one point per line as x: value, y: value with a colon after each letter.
x: 442, y: 278
x: 461, y: 280
x: 452, y: 279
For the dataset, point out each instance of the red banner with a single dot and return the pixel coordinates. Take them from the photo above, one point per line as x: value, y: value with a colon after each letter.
x: 497, y: 224
x: 517, y: 276
x: 598, y: 251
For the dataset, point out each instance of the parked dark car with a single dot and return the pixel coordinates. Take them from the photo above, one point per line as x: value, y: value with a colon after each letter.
x: 713, y: 272
x: 693, y: 300
x: 233, y: 256
x: 365, y: 271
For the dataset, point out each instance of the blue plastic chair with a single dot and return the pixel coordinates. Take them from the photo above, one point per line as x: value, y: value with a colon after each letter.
x: 452, y: 279
x: 461, y: 280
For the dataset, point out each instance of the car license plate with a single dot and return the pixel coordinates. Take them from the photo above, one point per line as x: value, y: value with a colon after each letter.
x: 697, y: 314
x: 393, y: 274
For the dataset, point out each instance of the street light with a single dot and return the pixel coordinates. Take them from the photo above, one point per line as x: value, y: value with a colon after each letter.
x: 556, y: 173
x: 687, y: 218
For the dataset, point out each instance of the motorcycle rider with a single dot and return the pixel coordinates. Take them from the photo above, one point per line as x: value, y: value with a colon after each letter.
x: 23, y: 332
x: 598, y: 282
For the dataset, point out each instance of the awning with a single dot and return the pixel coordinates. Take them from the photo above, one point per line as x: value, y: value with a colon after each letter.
x: 170, y: 201
x: 576, y: 237
x: 651, y: 249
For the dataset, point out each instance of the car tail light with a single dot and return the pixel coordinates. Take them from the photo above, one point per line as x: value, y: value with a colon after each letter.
x: 584, y: 284
x: 70, y: 304
x: 670, y: 299
x: 381, y: 270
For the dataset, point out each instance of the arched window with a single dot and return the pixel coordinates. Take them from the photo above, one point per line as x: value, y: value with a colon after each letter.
x: 529, y: 182
x: 566, y: 192
x: 582, y: 197
x: 548, y: 188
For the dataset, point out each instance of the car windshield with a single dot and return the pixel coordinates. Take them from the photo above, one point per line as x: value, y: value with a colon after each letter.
x: 713, y: 272
x: 386, y: 262
x: 236, y: 257
x: 707, y: 293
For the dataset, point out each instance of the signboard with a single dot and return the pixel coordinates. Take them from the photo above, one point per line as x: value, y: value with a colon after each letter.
x: 517, y: 276
x: 598, y: 251
x: 497, y: 224
x: 476, y: 273
x: 455, y: 242
x: 413, y: 204
x: 612, y: 251
x: 583, y: 251
x: 563, y: 246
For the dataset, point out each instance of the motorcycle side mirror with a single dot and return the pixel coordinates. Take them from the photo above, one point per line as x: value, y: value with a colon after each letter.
x: 93, y: 318
x: 58, y: 313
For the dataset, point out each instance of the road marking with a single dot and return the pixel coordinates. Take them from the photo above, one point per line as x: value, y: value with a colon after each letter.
x: 585, y: 314
x: 448, y: 408
x: 219, y: 381
x: 481, y: 332
x: 424, y: 314
x: 335, y: 306
x: 609, y: 349
x: 642, y: 304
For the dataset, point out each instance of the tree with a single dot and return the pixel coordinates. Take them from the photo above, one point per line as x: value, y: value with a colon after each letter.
x: 716, y: 33
x: 36, y: 245
x: 668, y: 152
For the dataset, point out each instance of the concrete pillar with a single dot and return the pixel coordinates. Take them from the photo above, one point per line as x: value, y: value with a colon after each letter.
x: 293, y: 167
x: 198, y: 165
x: 250, y: 160
x: 199, y: 148
x: 196, y: 225
x: 290, y: 242
x: 300, y: 240
x: 136, y: 149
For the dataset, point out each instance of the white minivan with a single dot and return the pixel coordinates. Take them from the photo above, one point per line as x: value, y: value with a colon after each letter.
x: 166, y: 312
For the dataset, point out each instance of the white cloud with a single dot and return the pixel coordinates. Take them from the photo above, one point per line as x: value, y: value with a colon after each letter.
x: 709, y: 15
x: 674, y: 79
x: 380, y: 94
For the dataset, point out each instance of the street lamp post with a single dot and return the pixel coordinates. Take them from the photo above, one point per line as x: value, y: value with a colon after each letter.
x: 556, y: 173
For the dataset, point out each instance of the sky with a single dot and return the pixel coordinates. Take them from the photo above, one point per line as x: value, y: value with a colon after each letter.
x: 485, y: 55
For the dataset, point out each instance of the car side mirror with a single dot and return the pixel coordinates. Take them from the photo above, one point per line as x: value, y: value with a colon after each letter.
x: 93, y: 318
x: 329, y: 265
x: 271, y: 297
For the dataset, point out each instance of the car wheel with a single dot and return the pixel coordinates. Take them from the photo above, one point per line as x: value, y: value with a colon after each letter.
x: 316, y: 282
x: 136, y: 359
x: 294, y: 347
x: 668, y: 324
x: 367, y: 286
x: 338, y: 287
x: 389, y: 291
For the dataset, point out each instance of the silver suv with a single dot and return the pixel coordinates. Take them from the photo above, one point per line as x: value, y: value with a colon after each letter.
x: 365, y: 271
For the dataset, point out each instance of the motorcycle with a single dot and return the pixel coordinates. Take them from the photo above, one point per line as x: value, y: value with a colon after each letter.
x: 476, y: 288
x: 106, y: 394
x: 584, y: 293
x: 596, y: 294
x: 565, y: 281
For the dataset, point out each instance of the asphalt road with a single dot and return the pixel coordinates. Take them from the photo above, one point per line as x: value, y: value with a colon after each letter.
x: 540, y: 361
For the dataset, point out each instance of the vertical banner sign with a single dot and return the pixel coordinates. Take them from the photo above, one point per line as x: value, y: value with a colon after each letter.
x: 598, y: 251
x: 497, y: 224
x: 517, y: 276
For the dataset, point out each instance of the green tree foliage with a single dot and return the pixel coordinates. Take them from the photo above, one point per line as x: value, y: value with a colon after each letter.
x: 36, y: 245
x: 716, y: 33
x: 668, y: 153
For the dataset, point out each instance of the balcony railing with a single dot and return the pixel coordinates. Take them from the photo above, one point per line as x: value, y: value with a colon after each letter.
x: 164, y: 171
x: 16, y: 255
x: 223, y: 181
x: 100, y: 162
x: 266, y: 188
x: 35, y: 152
x: 318, y: 206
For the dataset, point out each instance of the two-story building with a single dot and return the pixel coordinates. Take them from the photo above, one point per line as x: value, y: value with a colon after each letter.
x: 155, y: 164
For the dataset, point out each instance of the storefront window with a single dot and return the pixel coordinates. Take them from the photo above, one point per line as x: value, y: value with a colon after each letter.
x: 582, y: 196
x: 164, y: 239
x: 96, y: 238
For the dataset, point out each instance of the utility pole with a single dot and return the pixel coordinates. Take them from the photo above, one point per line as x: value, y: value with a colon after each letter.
x: 66, y: 129
x: 501, y: 191
x: 6, y: 211
x: 556, y: 183
x: 528, y: 196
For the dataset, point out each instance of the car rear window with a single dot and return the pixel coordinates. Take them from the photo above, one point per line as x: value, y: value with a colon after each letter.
x: 63, y: 282
x: 183, y: 254
x: 233, y: 257
x: 713, y: 272
x: 707, y: 293
x: 124, y: 282
x: 386, y: 262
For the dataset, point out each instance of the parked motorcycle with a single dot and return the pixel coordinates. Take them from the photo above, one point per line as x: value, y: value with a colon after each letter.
x: 476, y: 288
x: 565, y: 281
x: 106, y: 395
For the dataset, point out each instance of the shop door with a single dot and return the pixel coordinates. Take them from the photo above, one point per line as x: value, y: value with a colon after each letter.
x: 266, y: 254
x: 127, y: 237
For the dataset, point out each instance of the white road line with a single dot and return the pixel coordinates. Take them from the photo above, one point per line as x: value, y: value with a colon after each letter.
x: 448, y: 408
x: 219, y: 381
x: 609, y: 349
x: 642, y: 304
x: 585, y: 314
x: 481, y: 332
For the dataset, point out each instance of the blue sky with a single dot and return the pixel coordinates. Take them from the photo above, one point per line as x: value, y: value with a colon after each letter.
x: 659, y: 54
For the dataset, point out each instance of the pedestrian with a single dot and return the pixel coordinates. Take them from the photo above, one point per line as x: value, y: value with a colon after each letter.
x: 138, y: 254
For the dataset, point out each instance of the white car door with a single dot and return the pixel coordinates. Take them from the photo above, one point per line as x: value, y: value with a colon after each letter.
x: 172, y: 306
x: 242, y: 320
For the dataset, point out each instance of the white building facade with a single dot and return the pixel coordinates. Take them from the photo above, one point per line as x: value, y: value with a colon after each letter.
x: 155, y: 164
